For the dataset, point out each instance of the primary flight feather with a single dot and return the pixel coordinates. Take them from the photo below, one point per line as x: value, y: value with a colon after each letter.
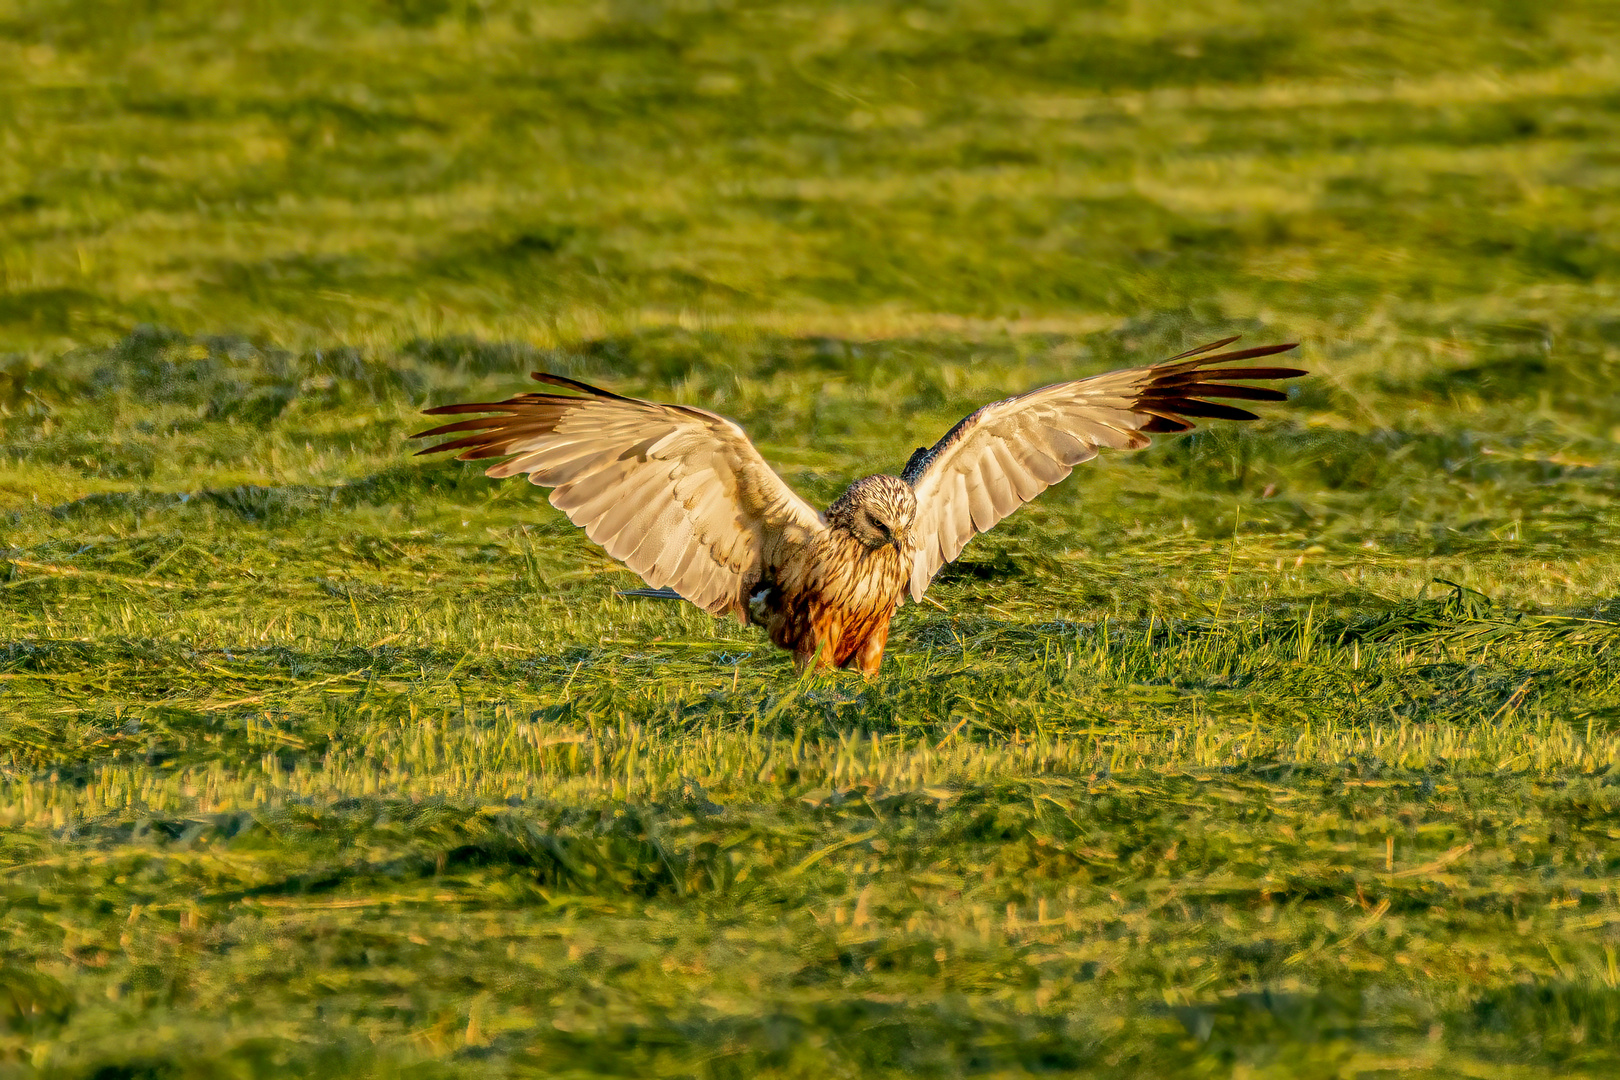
x: 680, y: 496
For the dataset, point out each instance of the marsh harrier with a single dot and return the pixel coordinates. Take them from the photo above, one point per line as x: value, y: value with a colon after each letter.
x: 680, y: 496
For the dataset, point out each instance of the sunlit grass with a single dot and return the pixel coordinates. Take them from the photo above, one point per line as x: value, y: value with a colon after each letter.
x: 1194, y: 760
x: 1286, y: 750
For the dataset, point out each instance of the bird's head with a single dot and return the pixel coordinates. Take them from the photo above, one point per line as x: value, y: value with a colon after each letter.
x: 877, y: 510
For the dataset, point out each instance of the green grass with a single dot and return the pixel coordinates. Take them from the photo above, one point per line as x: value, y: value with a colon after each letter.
x: 1285, y: 750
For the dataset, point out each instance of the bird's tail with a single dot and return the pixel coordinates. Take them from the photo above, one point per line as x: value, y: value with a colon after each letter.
x: 665, y: 593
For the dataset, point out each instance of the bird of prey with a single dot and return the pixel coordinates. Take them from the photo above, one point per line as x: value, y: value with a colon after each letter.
x: 680, y: 496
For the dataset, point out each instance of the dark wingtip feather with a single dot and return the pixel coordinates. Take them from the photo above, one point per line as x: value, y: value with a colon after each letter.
x: 574, y: 384
x: 1243, y: 393
x: 475, y: 406
x: 481, y: 439
x: 1210, y: 409
x: 483, y: 425
x: 1249, y: 354
x: 1159, y: 424
x: 477, y: 424
x: 1203, y: 375
x: 524, y: 409
x: 1213, y: 345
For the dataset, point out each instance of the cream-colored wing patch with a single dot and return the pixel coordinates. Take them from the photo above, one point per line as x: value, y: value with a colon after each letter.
x: 1010, y: 451
x: 678, y: 494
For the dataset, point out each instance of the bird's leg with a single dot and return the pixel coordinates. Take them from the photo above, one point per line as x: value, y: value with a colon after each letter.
x: 817, y: 654
x: 870, y: 654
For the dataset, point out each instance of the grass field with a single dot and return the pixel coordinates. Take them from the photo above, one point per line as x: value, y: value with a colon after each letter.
x: 1289, y: 750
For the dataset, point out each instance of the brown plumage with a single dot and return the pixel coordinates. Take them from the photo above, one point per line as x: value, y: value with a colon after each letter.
x: 681, y: 496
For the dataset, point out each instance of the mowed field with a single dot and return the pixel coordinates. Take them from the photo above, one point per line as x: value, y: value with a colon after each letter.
x: 1281, y: 750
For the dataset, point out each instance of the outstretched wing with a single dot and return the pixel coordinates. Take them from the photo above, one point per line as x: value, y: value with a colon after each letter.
x: 1010, y: 451
x: 677, y: 494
